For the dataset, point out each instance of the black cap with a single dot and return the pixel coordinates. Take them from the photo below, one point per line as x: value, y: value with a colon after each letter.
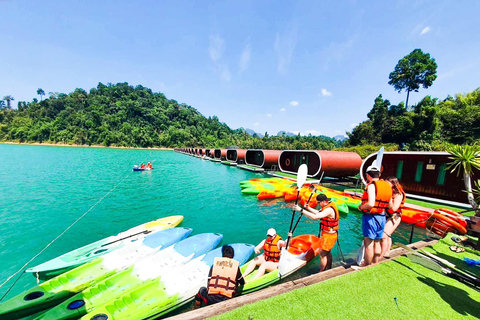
x: 322, y: 197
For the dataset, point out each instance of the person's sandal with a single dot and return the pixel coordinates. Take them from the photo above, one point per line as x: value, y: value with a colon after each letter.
x: 457, y: 249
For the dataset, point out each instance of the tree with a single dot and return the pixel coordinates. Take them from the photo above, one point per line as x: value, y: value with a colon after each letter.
x: 9, y: 99
x: 465, y: 159
x: 413, y: 70
x: 41, y: 93
x: 2, y: 104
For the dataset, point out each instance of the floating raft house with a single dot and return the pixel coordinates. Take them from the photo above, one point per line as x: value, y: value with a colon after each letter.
x: 259, y: 159
x: 236, y: 155
x: 334, y: 164
x: 423, y: 175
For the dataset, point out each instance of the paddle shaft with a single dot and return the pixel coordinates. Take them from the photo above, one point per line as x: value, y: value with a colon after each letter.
x: 291, y: 221
x: 132, y: 235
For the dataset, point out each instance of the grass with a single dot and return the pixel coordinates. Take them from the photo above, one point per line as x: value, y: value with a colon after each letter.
x: 397, y: 289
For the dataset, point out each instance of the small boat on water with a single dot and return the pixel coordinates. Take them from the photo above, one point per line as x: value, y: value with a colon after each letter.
x: 61, y: 287
x: 96, y: 249
x: 165, y: 293
x: 153, y: 266
x: 302, y: 249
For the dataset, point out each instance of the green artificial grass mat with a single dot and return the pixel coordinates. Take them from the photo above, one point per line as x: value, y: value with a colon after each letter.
x: 396, y: 289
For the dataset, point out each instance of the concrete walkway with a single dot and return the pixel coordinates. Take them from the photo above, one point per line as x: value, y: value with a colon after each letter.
x: 216, y: 309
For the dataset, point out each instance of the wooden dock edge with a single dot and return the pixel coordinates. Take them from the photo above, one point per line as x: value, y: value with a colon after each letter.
x: 225, y: 306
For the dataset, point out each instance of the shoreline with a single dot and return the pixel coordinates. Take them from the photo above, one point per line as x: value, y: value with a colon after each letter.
x: 80, y: 145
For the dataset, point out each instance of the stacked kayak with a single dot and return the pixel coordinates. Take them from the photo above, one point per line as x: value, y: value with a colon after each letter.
x: 61, y: 287
x: 258, y: 185
x: 91, y: 251
x: 167, y: 292
x: 302, y: 250
x: 149, y: 268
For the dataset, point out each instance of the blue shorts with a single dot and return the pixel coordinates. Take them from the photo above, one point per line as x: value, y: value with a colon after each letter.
x: 373, y: 226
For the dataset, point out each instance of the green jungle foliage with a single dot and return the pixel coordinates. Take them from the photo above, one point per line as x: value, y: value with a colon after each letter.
x: 123, y: 115
x: 429, y: 125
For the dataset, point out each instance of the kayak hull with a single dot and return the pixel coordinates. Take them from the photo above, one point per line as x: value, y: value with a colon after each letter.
x: 59, y: 288
x: 99, y: 248
x: 143, y: 271
x: 164, y: 294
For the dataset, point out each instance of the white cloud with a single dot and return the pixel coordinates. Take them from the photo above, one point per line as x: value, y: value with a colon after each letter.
x: 216, y: 48
x: 225, y: 73
x: 256, y: 124
x: 284, y: 47
x: 326, y: 93
x: 307, y: 132
x: 245, y: 57
x: 294, y: 103
x: 283, y: 110
x: 313, y: 132
x: 425, y: 30
x: 269, y: 115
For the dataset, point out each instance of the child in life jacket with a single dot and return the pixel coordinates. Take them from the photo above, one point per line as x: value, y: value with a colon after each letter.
x: 271, y: 255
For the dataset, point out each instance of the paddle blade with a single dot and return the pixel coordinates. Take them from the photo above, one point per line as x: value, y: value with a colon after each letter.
x: 380, y: 158
x: 302, y: 175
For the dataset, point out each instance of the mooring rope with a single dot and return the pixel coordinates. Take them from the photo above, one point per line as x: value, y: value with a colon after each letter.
x: 61, y: 234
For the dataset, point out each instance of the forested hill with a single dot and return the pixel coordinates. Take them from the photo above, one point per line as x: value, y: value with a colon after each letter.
x: 428, y: 125
x: 123, y: 115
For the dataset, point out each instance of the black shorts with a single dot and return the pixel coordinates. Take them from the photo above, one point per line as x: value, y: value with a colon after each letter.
x: 208, y: 299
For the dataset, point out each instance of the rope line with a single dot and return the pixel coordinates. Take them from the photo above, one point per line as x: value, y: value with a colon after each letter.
x: 61, y: 234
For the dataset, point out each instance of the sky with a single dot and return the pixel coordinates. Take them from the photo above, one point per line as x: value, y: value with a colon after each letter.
x: 313, y: 67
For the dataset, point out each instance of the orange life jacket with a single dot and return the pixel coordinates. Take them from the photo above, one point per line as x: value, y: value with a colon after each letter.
x: 400, y: 208
x: 383, y: 194
x: 270, y: 249
x: 330, y: 224
x: 142, y: 166
x: 224, y: 276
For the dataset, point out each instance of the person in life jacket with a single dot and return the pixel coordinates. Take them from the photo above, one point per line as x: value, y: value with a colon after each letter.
x: 271, y: 255
x: 329, y: 217
x: 149, y: 165
x: 142, y: 166
x: 224, y: 279
x: 375, y: 200
x: 394, y: 214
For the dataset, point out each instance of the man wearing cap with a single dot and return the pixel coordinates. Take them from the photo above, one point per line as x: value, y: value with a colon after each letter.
x: 375, y: 199
x: 271, y: 255
x: 329, y: 225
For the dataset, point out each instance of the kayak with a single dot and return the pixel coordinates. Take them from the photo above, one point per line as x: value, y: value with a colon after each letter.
x: 148, y: 268
x: 302, y: 249
x: 168, y: 292
x: 142, y: 169
x: 91, y: 251
x: 65, y: 285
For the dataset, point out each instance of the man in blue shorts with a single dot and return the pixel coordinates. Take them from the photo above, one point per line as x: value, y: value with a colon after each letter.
x: 375, y: 200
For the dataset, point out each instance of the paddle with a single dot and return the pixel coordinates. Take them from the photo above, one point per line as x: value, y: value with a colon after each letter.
x: 132, y: 235
x: 380, y: 158
x: 440, y: 265
x: 301, y: 179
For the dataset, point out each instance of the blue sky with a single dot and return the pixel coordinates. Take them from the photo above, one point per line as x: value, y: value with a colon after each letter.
x: 306, y: 66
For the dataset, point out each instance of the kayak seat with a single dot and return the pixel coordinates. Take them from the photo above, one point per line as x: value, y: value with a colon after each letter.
x: 299, y: 246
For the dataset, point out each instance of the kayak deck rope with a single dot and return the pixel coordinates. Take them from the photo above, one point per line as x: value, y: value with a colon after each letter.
x: 61, y: 234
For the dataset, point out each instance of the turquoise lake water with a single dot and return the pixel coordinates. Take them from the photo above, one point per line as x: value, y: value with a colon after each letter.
x: 45, y: 189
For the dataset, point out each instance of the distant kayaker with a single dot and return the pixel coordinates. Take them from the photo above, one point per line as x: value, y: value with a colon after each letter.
x: 149, y: 166
x: 142, y: 166
x: 375, y: 200
x: 271, y: 255
x: 223, y: 280
x: 394, y: 214
x: 329, y: 224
